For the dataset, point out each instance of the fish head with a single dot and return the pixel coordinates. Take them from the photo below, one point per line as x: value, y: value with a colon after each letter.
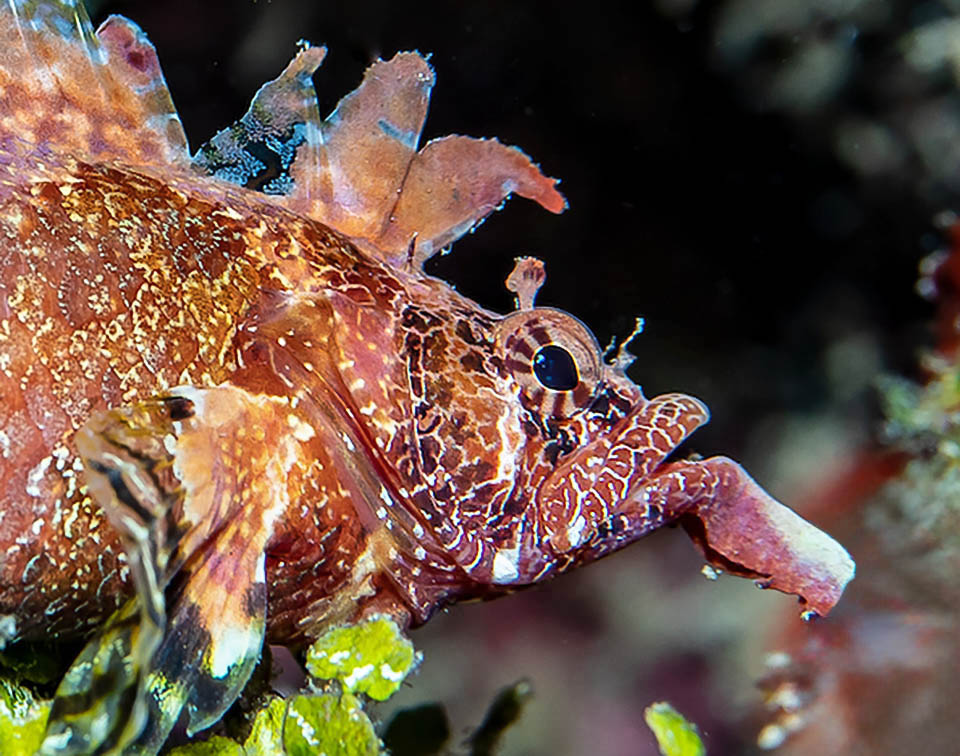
x: 592, y: 438
x: 525, y: 450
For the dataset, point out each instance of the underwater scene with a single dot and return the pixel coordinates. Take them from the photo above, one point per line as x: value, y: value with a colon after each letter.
x: 311, y: 442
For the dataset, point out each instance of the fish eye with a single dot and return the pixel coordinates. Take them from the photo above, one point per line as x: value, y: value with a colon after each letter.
x: 555, y: 368
x: 554, y: 358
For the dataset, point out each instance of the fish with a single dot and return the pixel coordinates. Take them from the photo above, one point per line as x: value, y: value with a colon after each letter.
x: 236, y: 410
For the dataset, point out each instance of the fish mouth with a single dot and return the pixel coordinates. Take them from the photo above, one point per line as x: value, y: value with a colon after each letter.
x: 736, y: 524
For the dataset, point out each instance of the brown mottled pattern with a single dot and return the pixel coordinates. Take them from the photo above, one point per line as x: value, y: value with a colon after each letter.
x: 412, y: 408
x: 120, y: 287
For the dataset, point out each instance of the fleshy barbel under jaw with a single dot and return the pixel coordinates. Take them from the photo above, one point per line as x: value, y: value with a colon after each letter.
x: 610, y: 494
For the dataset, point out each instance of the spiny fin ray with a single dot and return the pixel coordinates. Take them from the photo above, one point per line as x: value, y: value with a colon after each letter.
x: 360, y: 170
x: 96, y: 96
x: 453, y: 184
x: 282, y: 125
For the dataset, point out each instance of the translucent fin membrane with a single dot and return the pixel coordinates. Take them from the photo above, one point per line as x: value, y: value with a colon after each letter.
x: 97, y: 96
x: 171, y: 474
x: 360, y: 170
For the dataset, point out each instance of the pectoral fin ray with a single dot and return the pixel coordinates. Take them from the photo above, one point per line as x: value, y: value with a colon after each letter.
x: 195, y: 502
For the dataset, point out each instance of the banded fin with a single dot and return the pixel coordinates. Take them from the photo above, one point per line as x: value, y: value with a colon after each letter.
x: 99, y: 705
x: 194, y: 482
x: 282, y: 125
x: 360, y: 171
x: 96, y: 96
x: 213, y: 641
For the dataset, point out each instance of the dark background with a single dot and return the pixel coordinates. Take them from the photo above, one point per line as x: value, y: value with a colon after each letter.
x: 775, y: 284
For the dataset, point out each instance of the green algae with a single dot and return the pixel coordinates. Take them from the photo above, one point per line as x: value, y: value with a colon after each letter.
x: 307, y: 725
x: 216, y: 746
x: 916, y: 517
x: 373, y: 657
x: 329, y: 724
x: 22, y: 719
x: 369, y: 659
x: 924, y: 420
x: 675, y: 735
x: 310, y: 726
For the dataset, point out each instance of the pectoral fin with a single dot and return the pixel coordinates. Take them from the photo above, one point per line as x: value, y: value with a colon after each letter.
x: 212, y: 643
x: 99, y: 704
x: 194, y: 483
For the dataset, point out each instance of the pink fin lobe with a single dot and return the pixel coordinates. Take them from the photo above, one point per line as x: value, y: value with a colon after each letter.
x: 378, y: 187
x: 96, y: 96
x: 369, y: 141
x: 453, y: 184
x: 360, y: 171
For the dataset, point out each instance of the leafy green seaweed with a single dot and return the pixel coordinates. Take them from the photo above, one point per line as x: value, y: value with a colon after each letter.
x: 675, y: 735
x: 22, y: 719
x: 310, y: 725
x: 373, y: 657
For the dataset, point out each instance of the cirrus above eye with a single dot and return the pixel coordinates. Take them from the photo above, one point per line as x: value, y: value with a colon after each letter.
x: 554, y: 367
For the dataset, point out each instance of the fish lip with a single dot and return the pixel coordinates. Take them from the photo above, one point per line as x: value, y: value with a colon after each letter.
x: 635, y: 499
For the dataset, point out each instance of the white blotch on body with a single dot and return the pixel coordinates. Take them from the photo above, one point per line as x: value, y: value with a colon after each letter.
x: 575, y: 531
x: 506, y: 565
x: 36, y: 475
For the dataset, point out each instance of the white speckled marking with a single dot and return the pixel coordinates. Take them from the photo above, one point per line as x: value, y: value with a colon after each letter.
x: 506, y: 565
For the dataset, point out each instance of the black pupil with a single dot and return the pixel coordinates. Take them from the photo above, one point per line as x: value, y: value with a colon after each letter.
x: 555, y: 368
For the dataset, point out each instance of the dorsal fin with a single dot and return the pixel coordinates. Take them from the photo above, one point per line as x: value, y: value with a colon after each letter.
x: 282, y: 125
x: 97, y: 96
x: 452, y: 185
x: 103, y: 97
x: 369, y: 142
x: 402, y: 200
x: 360, y: 170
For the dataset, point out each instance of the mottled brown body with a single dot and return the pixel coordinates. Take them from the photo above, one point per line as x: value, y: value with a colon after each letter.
x: 125, y: 290
x: 277, y: 305
x: 122, y: 289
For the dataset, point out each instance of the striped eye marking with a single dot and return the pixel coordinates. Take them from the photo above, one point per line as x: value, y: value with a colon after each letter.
x: 554, y: 358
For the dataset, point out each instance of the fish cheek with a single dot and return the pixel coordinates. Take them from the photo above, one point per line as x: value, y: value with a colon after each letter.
x: 469, y: 443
